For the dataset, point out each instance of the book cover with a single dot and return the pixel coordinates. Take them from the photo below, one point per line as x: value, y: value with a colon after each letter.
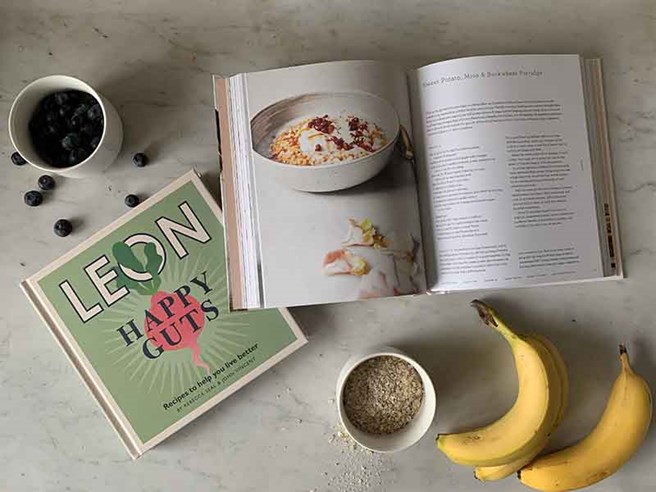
x: 141, y: 310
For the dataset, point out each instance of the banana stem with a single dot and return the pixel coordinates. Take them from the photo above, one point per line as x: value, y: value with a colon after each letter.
x: 491, y: 319
x: 485, y: 312
x: 624, y: 359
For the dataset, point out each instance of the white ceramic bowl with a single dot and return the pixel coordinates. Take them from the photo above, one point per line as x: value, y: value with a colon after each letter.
x: 326, y: 177
x: 23, y: 108
x: 408, y: 435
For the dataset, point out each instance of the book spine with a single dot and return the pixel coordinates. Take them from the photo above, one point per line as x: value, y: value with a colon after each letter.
x: 133, y: 448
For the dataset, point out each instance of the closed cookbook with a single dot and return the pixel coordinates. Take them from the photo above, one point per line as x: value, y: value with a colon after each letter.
x: 141, y: 311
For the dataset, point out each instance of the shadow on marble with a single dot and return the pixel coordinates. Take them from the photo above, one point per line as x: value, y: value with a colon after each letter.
x: 311, y: 319
x: 211, y: 181
x: 151, y: 97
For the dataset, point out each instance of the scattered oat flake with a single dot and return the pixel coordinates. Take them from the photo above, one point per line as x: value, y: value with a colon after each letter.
x: 359, y: 470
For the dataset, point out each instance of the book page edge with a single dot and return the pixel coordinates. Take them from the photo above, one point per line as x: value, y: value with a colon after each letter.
x: 233, y: 252
x: 609, y: 182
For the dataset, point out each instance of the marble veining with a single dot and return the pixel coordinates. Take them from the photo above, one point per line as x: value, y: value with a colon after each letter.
x: 154, y: 61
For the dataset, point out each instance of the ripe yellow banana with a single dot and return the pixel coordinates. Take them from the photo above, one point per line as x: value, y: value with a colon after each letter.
x: 524, y: 425
x: 561, y: 367
x: 617, y: 436
x: 557, y: 373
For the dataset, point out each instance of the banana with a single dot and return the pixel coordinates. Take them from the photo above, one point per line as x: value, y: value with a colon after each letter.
x: 616, y: 437
x: 562, y: 373
x: 499, y: 472
x: 528, y: 421
x: 557, y: 373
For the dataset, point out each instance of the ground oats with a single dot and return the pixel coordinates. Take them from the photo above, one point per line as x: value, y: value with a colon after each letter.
x: 382, y: 395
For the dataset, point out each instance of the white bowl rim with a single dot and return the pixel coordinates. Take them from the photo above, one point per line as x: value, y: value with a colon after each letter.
x: 91, y: 90
x: 382, y: 351
x: 391, y: 142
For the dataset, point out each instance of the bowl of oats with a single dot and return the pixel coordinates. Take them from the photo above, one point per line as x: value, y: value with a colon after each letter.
x: 326, y: 141
x: 386, y: 401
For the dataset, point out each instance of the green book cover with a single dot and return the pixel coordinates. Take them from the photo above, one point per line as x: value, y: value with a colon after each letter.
x: 142, y: 311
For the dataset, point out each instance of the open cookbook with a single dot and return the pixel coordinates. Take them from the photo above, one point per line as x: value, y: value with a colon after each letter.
x: 358, y: 179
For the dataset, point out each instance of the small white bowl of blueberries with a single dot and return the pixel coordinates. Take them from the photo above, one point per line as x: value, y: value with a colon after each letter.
x: 61, y: 125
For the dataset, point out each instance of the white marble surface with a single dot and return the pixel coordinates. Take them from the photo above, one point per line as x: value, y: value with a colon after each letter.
x: 153, y: 59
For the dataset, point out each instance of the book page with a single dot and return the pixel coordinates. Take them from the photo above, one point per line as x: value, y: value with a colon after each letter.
x: 506, y: 172
x: 336, y: 203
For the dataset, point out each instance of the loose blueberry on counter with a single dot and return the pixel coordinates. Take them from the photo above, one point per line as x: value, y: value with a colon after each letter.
x: 33, y: 198
x: 132, y: 201
x: 46, y: 183
x: 63, y: 228
x: 17, y: 159
x: 140, y: 159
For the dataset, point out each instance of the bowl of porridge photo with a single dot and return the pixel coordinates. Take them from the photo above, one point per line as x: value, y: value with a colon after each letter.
x: 326, y: 141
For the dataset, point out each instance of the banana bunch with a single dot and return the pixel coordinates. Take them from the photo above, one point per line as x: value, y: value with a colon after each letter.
x: 512, y: 443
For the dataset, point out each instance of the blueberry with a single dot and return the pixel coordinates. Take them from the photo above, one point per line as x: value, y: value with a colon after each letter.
x: 46, y: 183
x: 75, y: 122
x: 17, y: 159
x: 139, y: 159
x: 53, y: 130
x: 61, y: 98
x: 90, y: 129
x: 59, y: 158
x: 64, y: 110
x: 94, y: 142
x: 33, y: 198
x: 132, y: 201
x: 73, y: 96
x: 48, y: 103
x: 95, y: 112
x: 87, y: 129
x: 86, y: 98
x: 81, y: 110
x: 77, y: 155
x: 52, y: 117
x: 71, y: 141
x: 63, y: 227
